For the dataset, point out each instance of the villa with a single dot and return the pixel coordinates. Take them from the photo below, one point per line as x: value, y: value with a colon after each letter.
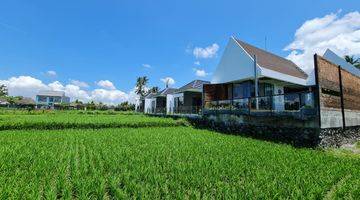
x: 51, y: 99
x: 155, y: 103
x: 249, y: 80
x: 186, y: 100
x: 256, y: 87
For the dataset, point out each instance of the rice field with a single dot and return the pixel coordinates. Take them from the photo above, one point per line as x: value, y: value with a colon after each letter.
x: 13, y: 120
x: 174, y: 162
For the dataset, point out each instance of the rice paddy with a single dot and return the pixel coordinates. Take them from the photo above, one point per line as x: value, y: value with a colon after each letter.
x: 173, y: 162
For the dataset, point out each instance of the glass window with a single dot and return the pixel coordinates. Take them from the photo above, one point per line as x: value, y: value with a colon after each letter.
x: 243, y: 90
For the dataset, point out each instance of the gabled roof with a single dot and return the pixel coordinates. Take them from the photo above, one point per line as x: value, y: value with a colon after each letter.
x: 26, y: 101
x: 195, y: 85
x: 334, y: 58
x: 150, y: 95
x: 165, y: 92
x: 51, y: 93
x: 273, y: 62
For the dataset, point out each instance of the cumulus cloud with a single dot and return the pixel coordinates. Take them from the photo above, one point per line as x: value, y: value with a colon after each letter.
x: 168, y: 80
x: 79, y: 83
x: 106, y: 84
x: 51, y: 73
x: 197, y: 63
x: 28, y: 86
x: 339, y: 33
x: 206, y: 52
x: 146, y: 66
x: 200, y: 72
x: 24, y: 86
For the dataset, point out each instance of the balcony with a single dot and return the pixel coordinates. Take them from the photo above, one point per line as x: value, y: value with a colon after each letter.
x: 300, y: 105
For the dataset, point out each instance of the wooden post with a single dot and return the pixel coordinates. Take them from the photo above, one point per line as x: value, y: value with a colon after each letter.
x: 342, y: 98
x: 318, y: 90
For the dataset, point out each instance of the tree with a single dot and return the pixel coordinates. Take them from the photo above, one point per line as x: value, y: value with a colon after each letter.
x: 125, y: 106
x: 141, y: 83
x: 353, y: 61
x: 154, y: 89
x: 3, y: 90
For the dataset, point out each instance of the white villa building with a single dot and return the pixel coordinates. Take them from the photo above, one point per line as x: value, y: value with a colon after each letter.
x: 49, y: 99
x: 248, y: 77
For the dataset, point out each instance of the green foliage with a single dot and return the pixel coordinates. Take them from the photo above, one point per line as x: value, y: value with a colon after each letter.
x: 141, y: 157
x: 352, y: 60
x: 3, y: 90
x: 43, y: 120
x: 166, y: 163
x: 125, y: 106
x: 141, y: 83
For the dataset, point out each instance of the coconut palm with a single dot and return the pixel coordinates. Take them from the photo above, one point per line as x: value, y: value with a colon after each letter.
x: 353, y: 61
x: 154, y: 89
x: 141, y: 83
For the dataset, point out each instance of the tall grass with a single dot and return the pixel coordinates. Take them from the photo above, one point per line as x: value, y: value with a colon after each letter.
x: 172, y: 163
x: 80, y: 119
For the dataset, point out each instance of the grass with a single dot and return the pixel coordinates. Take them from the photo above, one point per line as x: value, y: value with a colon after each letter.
x: 155, y: 158
x: 173, y: 162
x: 15, y: 120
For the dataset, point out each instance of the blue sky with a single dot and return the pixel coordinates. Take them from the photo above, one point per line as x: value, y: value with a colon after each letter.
x: 111, y: 40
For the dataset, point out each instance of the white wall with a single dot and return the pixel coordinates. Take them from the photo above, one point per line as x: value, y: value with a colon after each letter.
x: 169, y: 103
x: 235, y: 64
x: 148, y: 106
x: 279, y: 101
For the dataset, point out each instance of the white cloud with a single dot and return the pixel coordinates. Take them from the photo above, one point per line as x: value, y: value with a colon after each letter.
x: 79, y: 83
x: 106, y: 84
x: 197, y: 63
x: 168, y: 80
x: 207, y: 52
x: 28, y: 86
x: 341, y: 34
x: 146, y: 66
x: 51, y: 73
x: 24, y: 86
x: 200, y: 72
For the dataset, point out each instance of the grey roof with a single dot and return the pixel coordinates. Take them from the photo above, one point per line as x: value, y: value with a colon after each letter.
x: 26, y: 101
x: 195, y: 85
x: 51, y: 93
x: 3, y: 101
x: 165, y: 92
x: 150, y: 95
x: 273, y: 62
x: 334, y: 58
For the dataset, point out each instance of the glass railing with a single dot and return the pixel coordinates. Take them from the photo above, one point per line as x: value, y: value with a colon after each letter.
x: 293, y: 102
x: 185, y: 110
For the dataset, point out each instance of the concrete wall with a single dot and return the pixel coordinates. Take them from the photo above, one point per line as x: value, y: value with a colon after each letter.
x: 169, y: 104
x: 235, y: 64
x: 148, y: 104
x: 279, y: 101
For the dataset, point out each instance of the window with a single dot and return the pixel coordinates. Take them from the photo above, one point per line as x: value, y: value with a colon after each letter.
x: 42, y: 99
x: 266, y: 89
x: 243, y: 90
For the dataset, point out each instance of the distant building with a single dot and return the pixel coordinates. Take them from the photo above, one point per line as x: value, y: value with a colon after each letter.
x: 187, y: 99
x: 155, y: 103
x: 49, y: 99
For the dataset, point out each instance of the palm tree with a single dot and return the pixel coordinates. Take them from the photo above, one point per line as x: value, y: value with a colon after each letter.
x: 3, y: 90
x: 154, y: 89
x: 353, y: 61
x: 141, y: 83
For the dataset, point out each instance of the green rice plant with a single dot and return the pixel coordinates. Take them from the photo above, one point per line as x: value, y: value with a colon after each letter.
x: 71, y: 119
x: 166, y: 163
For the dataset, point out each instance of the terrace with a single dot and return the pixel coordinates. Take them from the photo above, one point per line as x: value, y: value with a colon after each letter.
x: 239, y: 99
